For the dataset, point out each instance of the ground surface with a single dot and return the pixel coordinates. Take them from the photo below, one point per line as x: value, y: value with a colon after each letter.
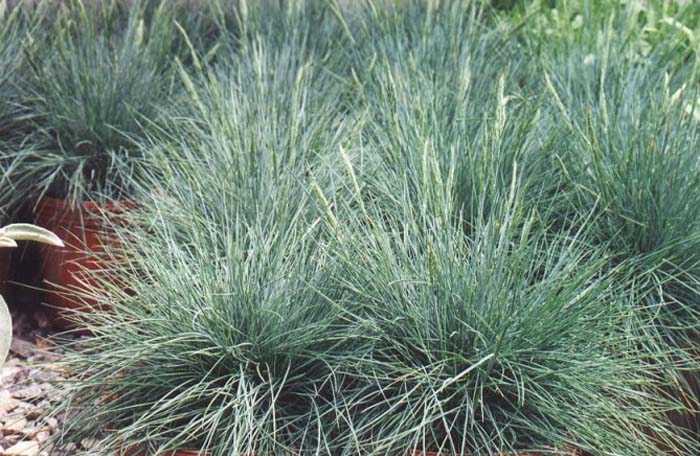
x: 29, y: 384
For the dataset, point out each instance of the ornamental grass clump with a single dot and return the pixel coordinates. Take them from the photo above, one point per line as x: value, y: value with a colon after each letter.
x: 16, y: 27
x: 448, y: 103
x: 363, y: 232
x: 510, y: 338
x: 98, y: 77
x: 228, y: 328
x: 10, y: 57
x: 12, y: 29
x: 629, y: 141
x: 483, y: 310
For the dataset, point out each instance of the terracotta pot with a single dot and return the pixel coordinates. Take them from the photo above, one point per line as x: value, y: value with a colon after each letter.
x: 519, y: 453
x: 172, y: 453
x: 688, y: 390
x: 137, y: 452
x: 433, y: 453
x: 68, y: 271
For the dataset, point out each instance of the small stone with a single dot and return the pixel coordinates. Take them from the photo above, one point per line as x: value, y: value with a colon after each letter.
x: 24, y: 448
x: 15, y: 425
x: 33, y: 411
x: 24, y: 407
x: 22, y: 347
x: 52, y: 423
x: 7, y: 402
x: 10, y: 439
x: 30, y: 392
x: 41, y: 436
x: 9, y: 374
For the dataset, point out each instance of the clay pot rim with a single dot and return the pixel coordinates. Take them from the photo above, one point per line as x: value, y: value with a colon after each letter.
x: 556, y: 451
x: 50, y: 211
x: 49, y: 202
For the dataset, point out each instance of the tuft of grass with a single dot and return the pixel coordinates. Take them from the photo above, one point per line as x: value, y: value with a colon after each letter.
x: 628, y: 154
x: 510, y: 338
x: 236, y: 327
x: 97, y: 79
x: 626, y: 142
x: 447, y: 116
x: 10, y: 54
x: 15, y: 25
x: 370, y: 230
x: 12, y: 28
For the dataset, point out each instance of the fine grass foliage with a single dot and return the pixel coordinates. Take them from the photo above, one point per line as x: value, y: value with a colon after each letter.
x: 224, y: 277
x: 386, y: 227
x: 96, y: 80
x: 628, y: 153
x: 10, y: 58
x: 447, y: 118
x: 507, y: 339
x: 12, y: 28
x: 626, y: 142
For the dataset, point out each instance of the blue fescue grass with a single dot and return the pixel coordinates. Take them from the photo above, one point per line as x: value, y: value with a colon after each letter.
x: 12, y: 28
x: 482, y: 342
x: 627, y: 146
x: 96, y: 77
x: 241, y: 312
x: 15, y: 29
x: 379, y: 229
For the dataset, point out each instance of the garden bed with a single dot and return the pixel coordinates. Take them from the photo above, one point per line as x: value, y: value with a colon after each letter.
x: 375, y: 228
